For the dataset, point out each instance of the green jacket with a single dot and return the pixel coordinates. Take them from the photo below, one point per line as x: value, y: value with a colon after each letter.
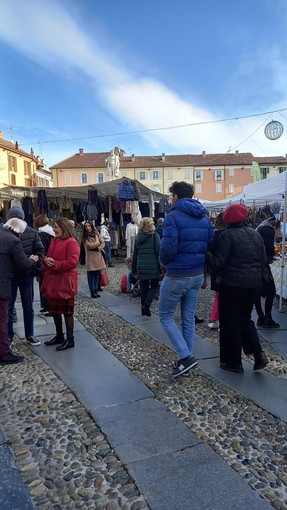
x: 146, y: 256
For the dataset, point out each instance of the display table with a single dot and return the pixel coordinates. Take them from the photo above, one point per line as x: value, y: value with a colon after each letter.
x: 276, y: 271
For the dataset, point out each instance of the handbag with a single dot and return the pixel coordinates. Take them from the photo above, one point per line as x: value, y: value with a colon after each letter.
x: 104, y: 278
x: 58, y: 285
x: 268, y: 281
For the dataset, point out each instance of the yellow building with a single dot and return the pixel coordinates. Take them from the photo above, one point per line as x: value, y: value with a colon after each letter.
x: 215, y: 176
x: 19, y: 168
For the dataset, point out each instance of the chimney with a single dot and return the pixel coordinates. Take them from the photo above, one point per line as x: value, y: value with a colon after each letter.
x: 163, y: 156
x: 1, y: 135
x: 236, y: 153
x: 133, y: 157
x: 32, y: 151
x: 17, y: 146
x: 81, y: 151
x: 203, y: 153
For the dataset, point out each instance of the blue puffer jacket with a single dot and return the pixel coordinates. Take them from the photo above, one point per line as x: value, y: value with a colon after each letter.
x: 187, y: 234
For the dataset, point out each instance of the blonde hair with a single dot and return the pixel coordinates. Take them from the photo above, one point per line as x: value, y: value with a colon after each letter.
x: 147, y: 225
x: 41, y: 221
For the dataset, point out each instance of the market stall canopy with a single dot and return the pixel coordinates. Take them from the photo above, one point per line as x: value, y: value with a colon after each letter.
x: 271, y: 189
x: 104, y: 189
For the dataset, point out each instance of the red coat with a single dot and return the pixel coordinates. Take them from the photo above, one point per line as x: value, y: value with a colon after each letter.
x: 66, y: 253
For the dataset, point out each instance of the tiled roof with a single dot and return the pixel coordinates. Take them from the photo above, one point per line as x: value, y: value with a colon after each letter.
x: 271, y: 160
x: 10, y: 146
x: 98, y: 160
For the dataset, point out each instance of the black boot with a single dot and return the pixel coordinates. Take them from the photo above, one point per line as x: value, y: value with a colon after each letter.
x: 261, y: 360
x: 67, y: 344
x: 58, y: 339
x: 94, y: 294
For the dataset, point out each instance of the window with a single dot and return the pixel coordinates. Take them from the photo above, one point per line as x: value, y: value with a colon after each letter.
x: 12, y: 164
x: 231, y: 188
x: 264, y: 171
x: 28, y: 182
x: 198, y: 188
x: 219, y: 175
x: 282, y: 169
x: 186, y: 174
x: 155, y: 175
x: 231, y: 171
x: 13, y: 179
x: 27, y: 168
x: 170, y: 174
x: 100, y: 178
x: 142, y: 176
x: 84, y: 178
x: 198, y: 175
x: 67, y: 179
x: 218, y: 188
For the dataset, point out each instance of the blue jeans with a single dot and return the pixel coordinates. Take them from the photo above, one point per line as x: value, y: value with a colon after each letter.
x: 108, y: 251
x: 93, y: 280
x: 184, y: 291
x: 26, y: 288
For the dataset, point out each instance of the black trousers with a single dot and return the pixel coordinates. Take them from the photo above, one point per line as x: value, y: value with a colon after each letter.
x: 148, y: 291
x: 237, y: 330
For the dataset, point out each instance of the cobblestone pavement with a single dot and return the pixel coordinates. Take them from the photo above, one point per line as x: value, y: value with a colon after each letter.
x: 67, y: 462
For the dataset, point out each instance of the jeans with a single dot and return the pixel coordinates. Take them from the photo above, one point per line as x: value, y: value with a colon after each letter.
x: 26, y: 288
x: 93, y: 280
x: 184, y: 291
x: 4, y: 343
x: 108, y: 251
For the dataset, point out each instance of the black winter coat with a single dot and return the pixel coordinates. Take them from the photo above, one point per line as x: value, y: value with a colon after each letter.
x: 239, y: 257
x: 12, y: 259
x: 145, y: 262
x: 32, y: 245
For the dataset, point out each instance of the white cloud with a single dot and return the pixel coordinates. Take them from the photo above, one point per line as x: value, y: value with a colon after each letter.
x: 47, y: 34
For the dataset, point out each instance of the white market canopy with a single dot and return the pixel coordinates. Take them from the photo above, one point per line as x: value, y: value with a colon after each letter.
x: 104, y: 189
x: 272, y: 189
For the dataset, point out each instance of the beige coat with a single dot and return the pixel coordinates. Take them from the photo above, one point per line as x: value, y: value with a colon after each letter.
x: 94, y: 259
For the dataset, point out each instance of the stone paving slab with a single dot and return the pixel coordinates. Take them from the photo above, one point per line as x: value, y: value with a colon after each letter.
x: 42, y: 326
x: 93, y: 374
x: 263, y: 388
x: 197, y: 479
x: 13, y: 494
x: 142, y: 429
x: 132, y: 314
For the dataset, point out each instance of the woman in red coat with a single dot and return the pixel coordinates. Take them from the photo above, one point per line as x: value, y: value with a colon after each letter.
x: 62, y: 256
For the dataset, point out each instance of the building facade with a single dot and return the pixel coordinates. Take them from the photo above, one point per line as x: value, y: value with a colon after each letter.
x: 215, y: 176
x: 20, y: 168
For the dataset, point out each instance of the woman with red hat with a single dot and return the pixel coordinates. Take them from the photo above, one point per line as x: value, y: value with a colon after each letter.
x: 238, y: 259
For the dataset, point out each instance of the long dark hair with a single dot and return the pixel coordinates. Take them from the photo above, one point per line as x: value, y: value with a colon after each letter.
x: 94, y: 233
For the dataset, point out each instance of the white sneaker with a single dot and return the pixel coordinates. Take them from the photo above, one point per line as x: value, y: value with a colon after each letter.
x: 213, y: 325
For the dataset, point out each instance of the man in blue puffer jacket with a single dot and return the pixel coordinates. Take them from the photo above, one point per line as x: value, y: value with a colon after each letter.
x: 187, y: 235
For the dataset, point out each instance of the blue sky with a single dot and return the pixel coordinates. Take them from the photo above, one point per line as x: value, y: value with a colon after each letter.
x: 94, y: 69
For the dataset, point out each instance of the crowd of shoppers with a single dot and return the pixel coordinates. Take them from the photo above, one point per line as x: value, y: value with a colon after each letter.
x: 169, y: 259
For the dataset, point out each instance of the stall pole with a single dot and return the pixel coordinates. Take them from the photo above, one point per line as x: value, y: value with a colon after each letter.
x: 283, y: 249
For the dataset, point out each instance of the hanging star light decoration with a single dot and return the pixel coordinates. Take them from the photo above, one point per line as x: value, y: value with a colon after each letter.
x: 273, y: 130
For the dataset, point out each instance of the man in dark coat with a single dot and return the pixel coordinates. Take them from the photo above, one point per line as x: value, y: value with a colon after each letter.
x: 32, y: 245
x: 12, y: 258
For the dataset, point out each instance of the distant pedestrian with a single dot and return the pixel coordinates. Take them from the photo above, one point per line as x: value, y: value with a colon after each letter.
x: 267, y: 231
x: 159, y: 227
x: 187, y: 235
x: 145, y: 263
x: 94, y: 244
x: 12, y: 260
x: 46, y: 234
x: 105, y: 235
x: 239, y: 257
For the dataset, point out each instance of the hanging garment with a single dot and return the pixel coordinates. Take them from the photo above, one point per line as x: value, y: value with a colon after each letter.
x: 126, y: 190
x: 42, y: 201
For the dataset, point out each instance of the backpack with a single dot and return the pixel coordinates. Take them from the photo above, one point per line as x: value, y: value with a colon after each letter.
x: 124, y: 283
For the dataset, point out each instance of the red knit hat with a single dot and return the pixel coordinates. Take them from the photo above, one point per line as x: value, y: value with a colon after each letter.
x: 235, y: 213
